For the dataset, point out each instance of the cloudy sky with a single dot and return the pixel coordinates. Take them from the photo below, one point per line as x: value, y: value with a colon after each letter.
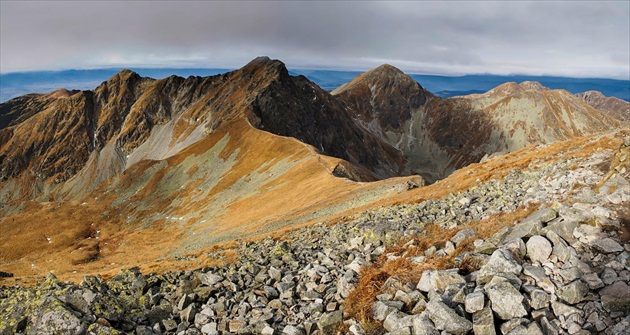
x: 564, y: 38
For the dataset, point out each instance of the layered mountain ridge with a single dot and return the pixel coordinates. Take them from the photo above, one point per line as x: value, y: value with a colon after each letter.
x: 438, y: 136
x: 235, y: 155
x: 129, y: 118
x: 383, y: 121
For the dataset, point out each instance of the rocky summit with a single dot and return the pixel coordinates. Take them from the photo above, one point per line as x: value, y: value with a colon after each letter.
x: 255, y: 202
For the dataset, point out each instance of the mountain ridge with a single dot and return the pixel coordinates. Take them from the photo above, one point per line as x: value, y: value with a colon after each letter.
x: 438, y: 136
x: 18, y: 84
x: 253, y: 151
x: 128, y: 107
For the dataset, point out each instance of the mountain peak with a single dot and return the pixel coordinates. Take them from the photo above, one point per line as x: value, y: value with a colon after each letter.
x: 512, y: 88
x: 532, y: 86
x: 591, y: 95
x: 265, y: 64
x: 385, y: 76
x: 124, y: 76
x: 615, y: 107
x: 386, y: 69
x: 126, y: 73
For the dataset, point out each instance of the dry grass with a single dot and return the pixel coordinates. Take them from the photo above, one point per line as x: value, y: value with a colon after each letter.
x: 371, y: 279
x: 25, y: 251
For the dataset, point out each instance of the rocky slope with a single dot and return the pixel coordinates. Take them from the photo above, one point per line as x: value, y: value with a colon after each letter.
x: 438, y: 136
x: 198, y: 173
x: 563, y: 268
x: 615, y: 107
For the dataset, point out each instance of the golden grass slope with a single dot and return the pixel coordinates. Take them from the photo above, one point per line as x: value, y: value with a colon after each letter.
x: 239, y: 182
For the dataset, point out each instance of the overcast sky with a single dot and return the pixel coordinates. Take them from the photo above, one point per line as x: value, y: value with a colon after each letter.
x: 564, y: 38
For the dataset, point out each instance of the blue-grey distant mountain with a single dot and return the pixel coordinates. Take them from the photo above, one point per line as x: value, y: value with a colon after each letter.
x: 451, y: 86
x: 16, y: 84
x: 20, y: 83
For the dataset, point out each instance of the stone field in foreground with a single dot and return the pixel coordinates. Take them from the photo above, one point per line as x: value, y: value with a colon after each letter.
x: 562, y: 270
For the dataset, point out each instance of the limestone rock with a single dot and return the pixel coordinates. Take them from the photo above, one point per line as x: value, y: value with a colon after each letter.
x: 328, y: 322
x: 616, y: 297
x: 573, y: 292
x: 474, y: 302
x: 54, y: 319
x: 606, y: 245
x: 422, y: 325
x: 501, y: 261
x: 539, y: 299
x: 483, y: 322
x: 506, y: 300
x: 439, y: 280
x: 538, y: 248
x: 446, y: 319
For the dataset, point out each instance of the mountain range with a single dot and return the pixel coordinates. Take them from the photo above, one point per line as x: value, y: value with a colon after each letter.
x: 19, y: 83
x: 161, y: 169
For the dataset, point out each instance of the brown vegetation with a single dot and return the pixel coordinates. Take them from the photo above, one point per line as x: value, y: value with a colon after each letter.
x: 359, y: 302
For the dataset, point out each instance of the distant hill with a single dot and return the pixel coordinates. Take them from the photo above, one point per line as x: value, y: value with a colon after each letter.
x: 16, y: 84
x: 463, y: 85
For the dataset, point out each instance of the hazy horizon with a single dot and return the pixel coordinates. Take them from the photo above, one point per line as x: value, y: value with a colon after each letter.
x: 19, y: 83
x: 577, y: 39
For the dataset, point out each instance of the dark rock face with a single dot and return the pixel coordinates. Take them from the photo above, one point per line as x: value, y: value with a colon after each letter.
x: 52, y: 143
x: 419, y: 124
x: 296, y: 107
x: 385, y: 94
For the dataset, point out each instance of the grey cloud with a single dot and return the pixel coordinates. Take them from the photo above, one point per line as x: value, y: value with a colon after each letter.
x: 562, y: 38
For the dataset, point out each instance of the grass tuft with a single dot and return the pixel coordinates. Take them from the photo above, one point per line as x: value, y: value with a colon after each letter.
x: 359, y: 303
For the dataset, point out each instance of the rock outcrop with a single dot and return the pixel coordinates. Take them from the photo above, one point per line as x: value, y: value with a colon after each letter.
x: 615, y: 107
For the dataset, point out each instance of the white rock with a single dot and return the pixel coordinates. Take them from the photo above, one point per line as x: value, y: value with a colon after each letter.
x: 538, y: 248
x: 506, y: 300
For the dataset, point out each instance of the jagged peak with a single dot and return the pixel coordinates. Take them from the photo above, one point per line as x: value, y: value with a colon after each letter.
x: 266, y: 64
x: 532, y: 86
x: 125, y: 73
x: 385, y: 74
x: 510, y: 88
x: 507, y: 88
x: 592, y: 94
x: 386, y: 69
x: 125, y: 77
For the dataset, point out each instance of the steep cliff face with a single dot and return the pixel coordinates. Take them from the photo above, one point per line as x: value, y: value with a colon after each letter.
x: 383, y: 98
x: 438, y: 136
x: 51, y: 140
x: 615, y: 107
x: 296, y: 107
